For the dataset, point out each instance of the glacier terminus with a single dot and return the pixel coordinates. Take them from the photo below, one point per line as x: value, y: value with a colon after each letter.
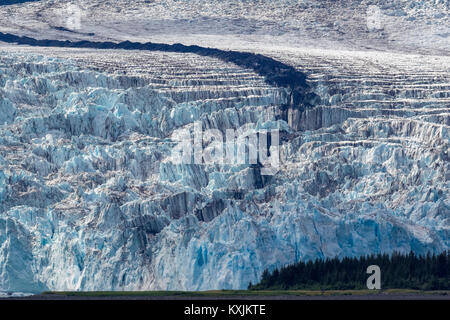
x: 92, y: 196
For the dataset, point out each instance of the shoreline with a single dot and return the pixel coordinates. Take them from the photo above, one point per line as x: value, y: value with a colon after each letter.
x: 389, y: 294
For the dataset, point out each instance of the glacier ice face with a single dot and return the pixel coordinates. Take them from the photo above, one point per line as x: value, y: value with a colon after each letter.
x: 90, y: 200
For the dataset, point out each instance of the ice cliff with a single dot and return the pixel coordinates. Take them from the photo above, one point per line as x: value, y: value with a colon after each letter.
x: 90, y: 198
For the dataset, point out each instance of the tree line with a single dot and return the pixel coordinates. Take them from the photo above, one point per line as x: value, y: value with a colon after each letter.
x: 400, y: 271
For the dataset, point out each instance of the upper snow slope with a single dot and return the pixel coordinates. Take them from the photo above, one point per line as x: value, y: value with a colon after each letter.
x: 399, y: 25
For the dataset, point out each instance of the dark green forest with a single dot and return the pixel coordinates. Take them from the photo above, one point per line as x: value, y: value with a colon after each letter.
x: 398, y: 271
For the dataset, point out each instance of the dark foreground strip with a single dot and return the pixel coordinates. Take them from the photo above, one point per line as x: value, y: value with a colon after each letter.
x: 220, y: 309
x: 275, y: 72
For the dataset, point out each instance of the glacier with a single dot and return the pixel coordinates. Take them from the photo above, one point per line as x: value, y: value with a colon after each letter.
x: 91, y: 199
